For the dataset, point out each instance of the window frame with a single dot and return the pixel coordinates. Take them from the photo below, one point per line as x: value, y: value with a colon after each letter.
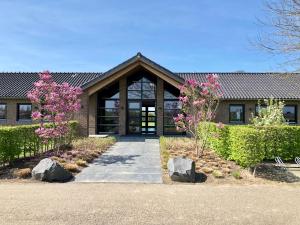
x: 3, y: 119
x: 102, y: 97
x: 18, y: 112
x: 296, y: 113
x: 243, y: 114
x: 169, y: 88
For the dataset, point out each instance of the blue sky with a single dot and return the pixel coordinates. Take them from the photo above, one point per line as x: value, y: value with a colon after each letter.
x: 85, y: 35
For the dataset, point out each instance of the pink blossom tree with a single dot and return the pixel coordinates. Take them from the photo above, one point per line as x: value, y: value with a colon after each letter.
x: 55, y: 104
x: 199, y: 104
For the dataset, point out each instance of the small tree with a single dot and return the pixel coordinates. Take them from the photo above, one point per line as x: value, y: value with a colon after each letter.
x: 55, y: 104
x: 199, y: 104
x: 269, y: 114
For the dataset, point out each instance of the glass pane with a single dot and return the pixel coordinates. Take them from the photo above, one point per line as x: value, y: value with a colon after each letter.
x: 144, y: 79
x: 152, y: 118
x: 111, y: 104
x: 169, y: 95
x: 152, y: 109
x: 135, y: 86
x: 236, y: 113
x: 134, y: 121
x: 148, y: 95
x: 134, y: 105
x: 109, y: 112
x: 171, y: 113
x: 134, y: 129
x: 289, y: 113
x: 169, y: 121
x: 108, y: 129
x: 151, y: 113
x: 109, y: 120
x: 172, y: 105
x: 2, y: 111
x: 143, y: 108
x: 134, y: 94
x: 24, y: 112
x: 134, y: 113
x: 148, y: 86
x: 151, y: 124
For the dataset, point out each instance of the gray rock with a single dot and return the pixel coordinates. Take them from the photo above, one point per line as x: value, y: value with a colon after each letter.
x: 181, y: 169
x: 49, y: 170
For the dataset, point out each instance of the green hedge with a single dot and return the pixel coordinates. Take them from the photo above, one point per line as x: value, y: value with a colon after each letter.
x: 248, y: 145
x: 21, y: 141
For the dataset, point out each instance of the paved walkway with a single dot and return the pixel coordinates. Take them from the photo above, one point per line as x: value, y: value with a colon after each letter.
x: 131, y: 159
x: 122, y: 204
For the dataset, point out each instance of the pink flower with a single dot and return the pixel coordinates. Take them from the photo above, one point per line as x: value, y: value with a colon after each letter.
x: 36, y: 115
x: 220, y: 125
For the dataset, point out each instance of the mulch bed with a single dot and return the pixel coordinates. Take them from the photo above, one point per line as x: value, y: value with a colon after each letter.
x: 73, y: 158
x: 211, y: 168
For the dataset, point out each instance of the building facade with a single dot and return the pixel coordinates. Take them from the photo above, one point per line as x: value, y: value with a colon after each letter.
x: 140, y: 97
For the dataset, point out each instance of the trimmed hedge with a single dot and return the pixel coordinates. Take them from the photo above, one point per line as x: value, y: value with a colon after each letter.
x: 249, y: 145
x: 21, y: 141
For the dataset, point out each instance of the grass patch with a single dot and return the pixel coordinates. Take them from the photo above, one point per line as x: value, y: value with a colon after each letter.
x: 164, y: 152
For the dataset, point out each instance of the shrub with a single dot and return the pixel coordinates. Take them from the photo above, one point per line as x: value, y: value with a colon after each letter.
x: 249, y: 145
x: 218, y: 140
x: 246, y: 145
x: 16, y: 141
x: 270, y: 114
x: 217, y: 174
x: 283, y: 141
x: 237, y: 174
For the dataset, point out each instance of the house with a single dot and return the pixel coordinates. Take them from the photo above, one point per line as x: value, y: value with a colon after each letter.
x: 141, y: 97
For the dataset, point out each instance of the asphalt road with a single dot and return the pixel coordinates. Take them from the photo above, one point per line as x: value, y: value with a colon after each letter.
x: 105, y: 203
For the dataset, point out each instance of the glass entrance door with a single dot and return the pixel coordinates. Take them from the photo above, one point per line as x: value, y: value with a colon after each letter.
x: 148, y: 120
x: 141, y: 117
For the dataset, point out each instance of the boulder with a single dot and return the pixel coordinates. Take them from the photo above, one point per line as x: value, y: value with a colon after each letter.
x: 49, y: 170
x: 181, y: 169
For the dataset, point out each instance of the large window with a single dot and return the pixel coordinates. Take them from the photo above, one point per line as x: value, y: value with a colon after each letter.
x: 141, y: 87
x: 3, y: 111
x: 141, y: 96
x: 24, y: 111
x: 236, y: 113
x: 172, y: 107
x: 290, y: 113
x: 108, y: 110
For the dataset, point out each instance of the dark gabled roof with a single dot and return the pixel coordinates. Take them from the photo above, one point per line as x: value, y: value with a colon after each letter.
x: 254, y: 85
x: 234, y: 85
x: 137, y: 58
x: 16, y: 85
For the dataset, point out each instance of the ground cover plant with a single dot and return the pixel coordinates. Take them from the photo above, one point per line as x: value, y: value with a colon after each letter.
x: 72, y: 157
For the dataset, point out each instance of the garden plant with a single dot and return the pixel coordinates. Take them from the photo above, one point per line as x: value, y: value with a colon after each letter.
x: 199, y: 104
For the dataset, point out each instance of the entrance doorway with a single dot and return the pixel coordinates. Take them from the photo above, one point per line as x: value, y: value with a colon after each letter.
x: 148, y: 118
x: 142, y: 117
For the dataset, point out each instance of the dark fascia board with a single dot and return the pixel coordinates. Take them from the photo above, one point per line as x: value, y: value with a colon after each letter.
x: 137, y: 58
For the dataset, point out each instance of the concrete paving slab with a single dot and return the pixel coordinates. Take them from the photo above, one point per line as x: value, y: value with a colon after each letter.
x: 130, y: 160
